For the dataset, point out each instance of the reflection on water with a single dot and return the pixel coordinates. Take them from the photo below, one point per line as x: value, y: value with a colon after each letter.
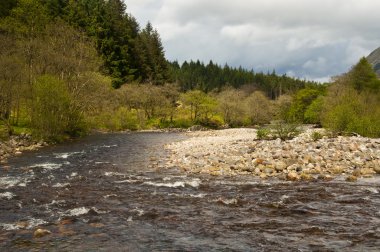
x: 103, y: 193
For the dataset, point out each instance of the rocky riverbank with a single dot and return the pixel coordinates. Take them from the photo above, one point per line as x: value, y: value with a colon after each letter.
x: 238, y: 151
x: 18, y: 144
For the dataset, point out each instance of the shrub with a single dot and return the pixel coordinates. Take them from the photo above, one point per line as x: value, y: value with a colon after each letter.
x: 313, y: 112
x: 263, y: 133
x: 284, y: 131
x: 259, y: 108
x: 302, y: 100
x: 316, y: 136
x: 210, y: 123
x: 352, y: 102
x: 52, y: 113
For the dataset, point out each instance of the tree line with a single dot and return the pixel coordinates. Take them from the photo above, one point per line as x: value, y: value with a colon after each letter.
x: 197, y: 75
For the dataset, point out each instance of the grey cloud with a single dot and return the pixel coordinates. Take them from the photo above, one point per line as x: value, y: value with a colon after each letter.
x: 310, y: 39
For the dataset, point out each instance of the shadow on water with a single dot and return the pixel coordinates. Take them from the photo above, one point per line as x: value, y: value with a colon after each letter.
x: 111, y: 192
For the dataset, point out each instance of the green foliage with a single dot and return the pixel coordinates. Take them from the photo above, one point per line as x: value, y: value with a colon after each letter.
x: 59, y: 58
x: 128, y: 54
x: 51, y: 116
x: 314, y: 110
x: 278, y: 129
x: 351, y: 116
x: 6, y: 6
x: 259, y: 109
x: 196, y: 75
x: 316, y: 136
x: 353, y: 103
x: 263, y: 133
x: 177, y: 123
x: 125, y: 119
x: 202, y: 106
x: 211, y: 123
x: 302, y: 100
x: 153, y: 65
x: 363, y: 77
x: 284, y: 131
x: 28, y: 18
x: 230, y: 106
x: 181, y: 123
x: 282, y: 107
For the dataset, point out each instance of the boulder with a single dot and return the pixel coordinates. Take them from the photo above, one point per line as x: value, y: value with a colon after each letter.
x: 280, y: 166
x: 377, y: 169
x: 41, y: 233
x: 292, y: 176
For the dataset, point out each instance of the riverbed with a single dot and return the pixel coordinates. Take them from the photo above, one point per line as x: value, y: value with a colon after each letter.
x: 113, y: 192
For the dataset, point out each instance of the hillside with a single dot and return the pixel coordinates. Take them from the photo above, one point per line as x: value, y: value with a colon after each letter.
x: 374, y: 59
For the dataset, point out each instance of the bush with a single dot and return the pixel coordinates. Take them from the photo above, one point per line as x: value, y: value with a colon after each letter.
x: 210, y: 123
x: 284, y: 130
x: 259, y: 108
x: 182, y: 123
x: 313, y: 112
x: 352, y: 104
x: 316, y: 136
x: 263, y: 134
x: 52, y: 113
x: 302, y: 100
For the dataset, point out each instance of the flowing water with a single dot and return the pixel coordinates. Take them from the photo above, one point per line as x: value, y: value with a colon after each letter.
x: 110, y: 193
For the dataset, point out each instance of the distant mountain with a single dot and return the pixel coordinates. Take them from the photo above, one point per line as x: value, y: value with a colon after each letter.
x: 374, y: 59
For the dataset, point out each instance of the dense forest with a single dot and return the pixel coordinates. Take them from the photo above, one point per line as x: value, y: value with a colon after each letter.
x: 197, y: 75
x: 69, y: 66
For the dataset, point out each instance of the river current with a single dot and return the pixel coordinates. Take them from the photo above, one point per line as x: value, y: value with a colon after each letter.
x: 111, y: 192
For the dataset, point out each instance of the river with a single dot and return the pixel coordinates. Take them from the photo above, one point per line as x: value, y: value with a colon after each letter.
x: 110, y: 192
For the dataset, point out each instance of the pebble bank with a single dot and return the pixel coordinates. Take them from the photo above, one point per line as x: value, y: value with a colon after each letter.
x: 232, y: 152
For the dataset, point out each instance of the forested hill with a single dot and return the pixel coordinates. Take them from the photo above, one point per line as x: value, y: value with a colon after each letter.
x: 196, y: 75
x: 128, y: 53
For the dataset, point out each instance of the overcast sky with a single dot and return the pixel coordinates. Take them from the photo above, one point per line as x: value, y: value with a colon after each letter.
x: 313, y: 39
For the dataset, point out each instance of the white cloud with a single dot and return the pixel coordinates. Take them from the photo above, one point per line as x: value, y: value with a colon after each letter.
x: 313, y: 38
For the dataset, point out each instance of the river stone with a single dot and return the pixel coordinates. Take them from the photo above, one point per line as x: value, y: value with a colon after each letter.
x: 268, y: 171
x: 263, y: 176
x: 377, y: 169
x: 306, y: 177
x: 41, y: 233
x: 292, y: 176
x: 257, y: 171
x: 363, y: 148
x: 248, y: 169
x: 292, y: 167
x: 366, y: 171
x: 258, y: 161
x: 280, y: 166
x: 351, y: 178
x: 278, y: 142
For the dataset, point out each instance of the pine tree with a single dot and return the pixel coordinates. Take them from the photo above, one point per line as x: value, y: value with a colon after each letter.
x: 363, y: 77
x: 153, y: 64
